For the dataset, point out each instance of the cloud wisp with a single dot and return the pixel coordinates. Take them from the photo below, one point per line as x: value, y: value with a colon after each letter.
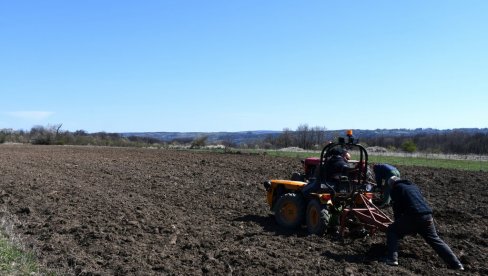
x: 31, y: 115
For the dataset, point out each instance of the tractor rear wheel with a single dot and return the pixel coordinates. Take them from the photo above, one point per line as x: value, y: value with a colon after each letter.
x: 290, y: 210
x: 318, y: 218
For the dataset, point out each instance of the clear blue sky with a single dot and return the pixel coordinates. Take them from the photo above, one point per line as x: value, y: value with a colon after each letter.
x: 179, y: 65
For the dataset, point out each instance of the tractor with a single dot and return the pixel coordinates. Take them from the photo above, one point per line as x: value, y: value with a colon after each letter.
x: 342, y: 205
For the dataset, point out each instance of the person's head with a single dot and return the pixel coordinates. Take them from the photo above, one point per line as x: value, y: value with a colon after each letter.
x: 392, y: 180
x: 335, y: 151
x: 346, y: 155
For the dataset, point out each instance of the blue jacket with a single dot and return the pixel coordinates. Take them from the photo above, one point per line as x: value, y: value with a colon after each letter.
x: 408, y: 200
x: 383, y: 172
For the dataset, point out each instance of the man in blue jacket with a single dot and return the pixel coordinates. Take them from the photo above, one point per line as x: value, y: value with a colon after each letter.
x: 383, y: 172
x: 414, y: 216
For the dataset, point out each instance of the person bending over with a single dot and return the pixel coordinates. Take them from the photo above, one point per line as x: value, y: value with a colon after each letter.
x: 414, y: 216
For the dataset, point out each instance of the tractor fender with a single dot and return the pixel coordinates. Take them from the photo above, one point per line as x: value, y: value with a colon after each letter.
x: 284, y: 185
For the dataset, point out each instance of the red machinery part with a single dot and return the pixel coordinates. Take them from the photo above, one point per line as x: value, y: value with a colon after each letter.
x: 370, y: 216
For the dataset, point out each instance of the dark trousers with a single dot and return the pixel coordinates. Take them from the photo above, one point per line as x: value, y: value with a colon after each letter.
x: 424, y: 226
x: 312, y: 186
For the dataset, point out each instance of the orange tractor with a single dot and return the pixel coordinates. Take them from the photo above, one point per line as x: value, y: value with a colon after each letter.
x: 343, y: 205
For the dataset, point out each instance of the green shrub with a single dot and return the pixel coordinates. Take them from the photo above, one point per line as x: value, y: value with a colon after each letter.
x: 409, y: 146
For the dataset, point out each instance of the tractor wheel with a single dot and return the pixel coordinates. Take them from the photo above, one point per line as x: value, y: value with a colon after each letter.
x: 290, y: 210
x: 318, y: 218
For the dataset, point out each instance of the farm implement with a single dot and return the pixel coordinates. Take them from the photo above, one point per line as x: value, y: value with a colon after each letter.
x: 327, y: 201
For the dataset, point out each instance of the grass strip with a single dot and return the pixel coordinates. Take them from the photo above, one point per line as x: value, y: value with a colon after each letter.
x: 14, y: 261
x: 469, y: 165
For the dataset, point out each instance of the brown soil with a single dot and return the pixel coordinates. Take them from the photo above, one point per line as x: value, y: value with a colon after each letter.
x: 118, y: 211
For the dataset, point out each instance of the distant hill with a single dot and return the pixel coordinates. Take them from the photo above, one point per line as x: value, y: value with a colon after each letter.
x: 413, y: 132
x: 242, y: 137
x: 238, y: 138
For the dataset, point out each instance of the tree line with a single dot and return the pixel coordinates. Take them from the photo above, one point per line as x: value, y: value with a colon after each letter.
x: 454, y: 142
x: 53, y: 135
x: 304, y: 136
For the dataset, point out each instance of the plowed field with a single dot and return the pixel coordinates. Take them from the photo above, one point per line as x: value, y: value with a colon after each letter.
x: 125, y: 211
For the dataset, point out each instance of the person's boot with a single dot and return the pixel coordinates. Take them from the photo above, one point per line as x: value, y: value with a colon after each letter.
x: 392, y: 260
x: 458, y: 267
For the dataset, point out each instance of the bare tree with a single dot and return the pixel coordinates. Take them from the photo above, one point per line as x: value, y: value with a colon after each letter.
x: 285, y: 139
x: 199, y: 142
x: 318, y: 136
x: 304, y: 136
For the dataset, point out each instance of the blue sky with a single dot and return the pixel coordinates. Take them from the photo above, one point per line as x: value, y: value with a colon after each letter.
x: 241, y: 65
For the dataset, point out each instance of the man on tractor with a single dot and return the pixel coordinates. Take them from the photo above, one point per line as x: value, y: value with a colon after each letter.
x: 414, y: 216
x: 383, y: 172
x: 335, y: 167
